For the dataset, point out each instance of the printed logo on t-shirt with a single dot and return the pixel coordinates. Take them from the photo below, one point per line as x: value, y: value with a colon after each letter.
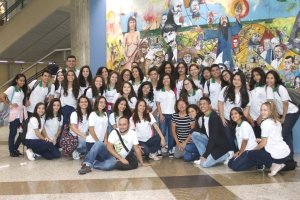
x: 118, y: 145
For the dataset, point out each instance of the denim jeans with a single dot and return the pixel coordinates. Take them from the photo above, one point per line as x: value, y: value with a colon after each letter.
x: 189, y: 153
x: 287, y: 130
x: 109, y: 127
x: 105, y: 161
x: 232, y: 142
x: 201, y: 140
x: 45, y: 149
x: 164, y: 126
x: 157, y: 122
x: 81, y: 148
x: 12, y: 145
x: 241, y: 163
x: 67, y: 111
x: 151, y: 145
x: 263, y: 157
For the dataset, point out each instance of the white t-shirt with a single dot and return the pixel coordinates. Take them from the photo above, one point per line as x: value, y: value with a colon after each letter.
x: 69, y: 100
x: 110, y: 94
x: 195, y: 97
x: 32, y: 125
x: 58, y: 91
x: 143, y: 128
x: 167, y: 101
x: 15, y: 96
x: 245, y: 131
x: 113, y: 120
x: 83, y: 126
x: 135, y: 87
x: 52, y: 91
x: 100, y: 126
x: 214, y: 90
x: 197, y: 82
x: 150, y: 103
x: 89, y: 95
x: 51, y: 126
x: 37, y: 95
x: 154, y: 99
x: 131, y: 103
x: 129, y: 139
x: 229, y: 105
x: 179, y: 85
x: 258, y: 97
x: 284, y: 96
x: 275, y: 144
x: 206, y: 119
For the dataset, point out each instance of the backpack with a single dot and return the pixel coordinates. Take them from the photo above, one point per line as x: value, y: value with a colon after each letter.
x: 35, y: 85
x: 292, y: 102
x: 84, y: 93
x: 22, y: 134
x: 289, y: 165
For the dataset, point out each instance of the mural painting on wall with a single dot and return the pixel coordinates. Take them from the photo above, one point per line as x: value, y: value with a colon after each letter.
x: 239, y: 34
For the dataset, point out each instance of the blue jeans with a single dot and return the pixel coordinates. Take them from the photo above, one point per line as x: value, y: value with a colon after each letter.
x: 241, y: 163
x: 157, y: 122
x: 105, y: 161
x: 151, y: 145
x: 12, y: 145
x: 67, y: 111
x: 201, y: 140
x: 263, y: 157
x: 232, y: 143
x: 287, y: 130
x: 45, y: 149
x: 164, y: 126
x: 109, y: 127
x: 189, y: 153
x: 81, y: 148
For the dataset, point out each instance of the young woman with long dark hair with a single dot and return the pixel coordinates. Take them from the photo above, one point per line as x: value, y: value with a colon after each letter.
x: 103, y: 71
x: 137, y: 78
x: 190, y: 92
x: 56, y: 86
x: 146, y: 92
x: 166, y: 67
x: 85, y: 78
x: 98, y: 88
x: 14, y: 97
x: 128, y: 93
x: 120, y: 109
x: 226, y: 77
x: 195, y: 75
x: 181, y: 71
x: 234, y: 95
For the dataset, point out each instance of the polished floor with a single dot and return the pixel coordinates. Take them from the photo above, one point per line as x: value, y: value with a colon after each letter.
x: 166, y: 179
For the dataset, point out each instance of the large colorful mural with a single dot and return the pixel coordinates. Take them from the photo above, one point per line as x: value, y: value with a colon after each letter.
x: 239, y: 34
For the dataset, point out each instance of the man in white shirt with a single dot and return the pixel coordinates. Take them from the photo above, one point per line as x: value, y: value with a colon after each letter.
x: 104, y: 156
x: 71, y: 64
x: 40, y: 91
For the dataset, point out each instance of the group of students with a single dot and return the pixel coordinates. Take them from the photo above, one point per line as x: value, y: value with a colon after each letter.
x: 204, y: 113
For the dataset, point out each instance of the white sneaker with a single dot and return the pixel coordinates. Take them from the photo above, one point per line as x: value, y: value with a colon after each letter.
x: 229, y: 156
x: 197, y: 162
x: 153, y: 156
x: 75, y: 155
x: 30, y: 154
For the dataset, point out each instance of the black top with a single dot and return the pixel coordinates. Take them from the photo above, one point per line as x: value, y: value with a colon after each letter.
x: 218, y: 143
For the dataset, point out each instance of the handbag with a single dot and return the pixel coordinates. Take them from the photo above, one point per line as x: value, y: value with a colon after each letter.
x: 4, y: 111
x: 131, y: 158
x: 68, y: 142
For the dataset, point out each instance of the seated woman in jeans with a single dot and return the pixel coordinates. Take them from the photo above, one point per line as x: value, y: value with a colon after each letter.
x: 80, y: 124
x: 181, y: 127
x: 212, y: 142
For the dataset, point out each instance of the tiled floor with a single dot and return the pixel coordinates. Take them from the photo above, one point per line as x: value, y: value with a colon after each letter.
x: 166, y: 179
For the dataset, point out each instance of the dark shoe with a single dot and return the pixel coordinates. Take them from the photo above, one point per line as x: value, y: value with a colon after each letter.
x: 18, y: 152
x: 84, y: 169
x: 14, y: 154
x: 260, y: 167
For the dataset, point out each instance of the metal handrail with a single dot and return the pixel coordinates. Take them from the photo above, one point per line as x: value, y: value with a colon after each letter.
x: 55, y: 50
x: 10, y: 9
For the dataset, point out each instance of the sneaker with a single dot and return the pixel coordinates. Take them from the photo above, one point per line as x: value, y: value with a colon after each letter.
x: 153, y: 156
x: 36, y: 156
x: 30, y: 154
x: 197, y: 162
x: 171, y: 154
x: 84, y: 169
x: 275, y: 168
x: 260, y: 167
x: 159, y: 154
x: 229, y: 156
x: 18, y: 152
x: 75, y: 155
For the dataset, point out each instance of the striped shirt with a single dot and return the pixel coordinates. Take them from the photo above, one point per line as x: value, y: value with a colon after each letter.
x: 183, y: 126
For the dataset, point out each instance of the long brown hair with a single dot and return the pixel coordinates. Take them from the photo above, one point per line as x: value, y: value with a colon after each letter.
x: 274, y: 114
x: 95, y: 91
x: 75, y: 85
x: 146, y: 115
x: 184, y: 93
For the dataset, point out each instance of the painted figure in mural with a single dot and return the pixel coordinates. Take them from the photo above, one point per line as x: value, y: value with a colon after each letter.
x: 175, y: 13
x: 271, y: 51
x: 210, y: 18
x: 140, y: 56
x: 117, y: 26
x: 155, y: 57
x: 169, y: 34
x: 254, y: 40
x: 199, y: 43
x: 224, y: 34
x: 164, y: 18
x: 131, y: 41
x: 188, y: 54
x: 194, y: 9
x: 282, y: 34
x: 297, y: 83
x: 292, y: 81
x: 261, y: 52
x: 287, y: 70
x: 279, y: 53
x: 236, y: 46
x: 297, y: 62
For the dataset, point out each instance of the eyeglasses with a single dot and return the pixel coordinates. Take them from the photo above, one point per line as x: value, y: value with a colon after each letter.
x: 188, y: 83
x: 126, y: 75
x: 225, y: 75
x: 146, y: 88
